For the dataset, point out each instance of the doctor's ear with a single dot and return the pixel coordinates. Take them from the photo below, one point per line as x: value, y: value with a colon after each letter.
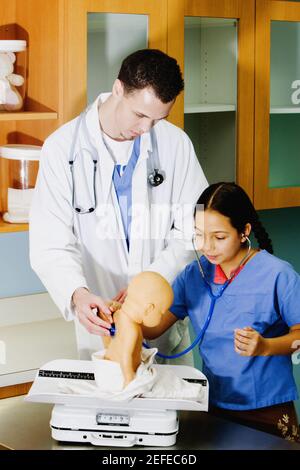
x: 118, y: 89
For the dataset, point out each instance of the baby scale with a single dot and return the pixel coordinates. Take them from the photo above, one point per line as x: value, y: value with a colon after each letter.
x: 111, y: 423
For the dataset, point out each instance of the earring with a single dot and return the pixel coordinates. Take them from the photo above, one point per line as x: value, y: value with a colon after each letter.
x: 247, y: 239
x: 249, y: 243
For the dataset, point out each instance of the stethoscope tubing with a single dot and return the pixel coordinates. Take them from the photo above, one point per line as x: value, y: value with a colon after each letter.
x: 200, y: 336
x: 155, y: 178
x: 213, y: 299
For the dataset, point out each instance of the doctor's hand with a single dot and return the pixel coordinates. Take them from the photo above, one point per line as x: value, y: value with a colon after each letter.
x: 248, y: 342
x: 92, y: 312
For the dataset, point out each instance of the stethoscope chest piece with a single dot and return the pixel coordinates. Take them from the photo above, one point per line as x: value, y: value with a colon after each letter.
x: 155, y: 178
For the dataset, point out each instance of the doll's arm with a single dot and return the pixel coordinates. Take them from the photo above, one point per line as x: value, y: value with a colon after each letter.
x: 131, y: 347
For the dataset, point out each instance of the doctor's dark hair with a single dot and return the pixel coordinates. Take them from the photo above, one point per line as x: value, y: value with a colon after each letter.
x: 152, y: 68
x: 233, y: 202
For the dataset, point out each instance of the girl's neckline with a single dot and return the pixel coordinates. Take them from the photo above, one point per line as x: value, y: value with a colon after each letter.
x: 243, y: 263
x: 212, y: 267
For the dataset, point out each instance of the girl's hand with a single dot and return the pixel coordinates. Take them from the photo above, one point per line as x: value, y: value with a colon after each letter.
x: 248, y: 342
x: 113, y: 305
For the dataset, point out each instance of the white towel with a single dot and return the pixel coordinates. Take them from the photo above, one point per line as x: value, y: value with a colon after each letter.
x: 149, y: 382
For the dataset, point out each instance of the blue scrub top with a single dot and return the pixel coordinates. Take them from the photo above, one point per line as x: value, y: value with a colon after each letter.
x: 264, y: 295
x: 122, y: 179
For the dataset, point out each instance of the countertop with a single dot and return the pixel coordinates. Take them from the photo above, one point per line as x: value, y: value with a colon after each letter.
x: 25, y: 426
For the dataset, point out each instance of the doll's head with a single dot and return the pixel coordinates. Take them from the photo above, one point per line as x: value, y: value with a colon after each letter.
x: 149, y: 296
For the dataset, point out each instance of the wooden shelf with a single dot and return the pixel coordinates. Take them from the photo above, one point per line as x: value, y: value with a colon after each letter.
x: 208, y: 108
x: 201, y: 22
x: 27, y: 116
x: 285, y: 110
x: 6, y: 227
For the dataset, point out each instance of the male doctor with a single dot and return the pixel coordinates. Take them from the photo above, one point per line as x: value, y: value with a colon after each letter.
x: 114, y: 196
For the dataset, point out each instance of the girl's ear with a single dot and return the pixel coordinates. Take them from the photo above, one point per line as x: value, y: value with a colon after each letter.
x: 246, y: 232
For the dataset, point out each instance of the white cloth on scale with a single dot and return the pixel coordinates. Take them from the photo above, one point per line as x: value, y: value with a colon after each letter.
x: 149, y: 382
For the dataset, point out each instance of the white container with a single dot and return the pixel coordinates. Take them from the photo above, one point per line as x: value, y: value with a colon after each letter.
x: 19, y: 165
x: 13, y: 71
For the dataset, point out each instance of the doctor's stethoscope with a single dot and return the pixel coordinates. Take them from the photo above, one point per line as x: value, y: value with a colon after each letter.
x: 155, y: 176
x: 213, y: 299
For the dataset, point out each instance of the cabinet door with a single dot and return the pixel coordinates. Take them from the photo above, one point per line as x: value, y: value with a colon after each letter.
x: 277, y: 105
x: 214, y: 44
x: 98, y: 35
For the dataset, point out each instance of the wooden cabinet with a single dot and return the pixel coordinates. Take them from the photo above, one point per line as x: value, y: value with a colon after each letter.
x: 214, y: 44
x: 214, y: 110
x: 37, y: 22
x: 277, y: 104
x: 121, y: 27
x: 231, y: 53
x: 63, y: 64
x: 241, y: 104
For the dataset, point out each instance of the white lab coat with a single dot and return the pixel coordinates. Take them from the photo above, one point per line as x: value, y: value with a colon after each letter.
x: 69, y: 250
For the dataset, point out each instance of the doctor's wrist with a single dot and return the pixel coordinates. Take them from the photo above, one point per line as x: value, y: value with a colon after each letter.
x: 77, y: 293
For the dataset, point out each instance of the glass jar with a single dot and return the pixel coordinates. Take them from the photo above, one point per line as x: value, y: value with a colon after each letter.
x: 13, y: 71
x: 20, y: 164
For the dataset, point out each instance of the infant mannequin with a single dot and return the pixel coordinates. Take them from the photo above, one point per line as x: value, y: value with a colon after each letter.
x: 124, y: 370
x: 149, y: 296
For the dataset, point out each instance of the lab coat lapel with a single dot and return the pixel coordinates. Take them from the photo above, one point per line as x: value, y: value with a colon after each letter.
x: 139, y: 255
x: 106, y: 193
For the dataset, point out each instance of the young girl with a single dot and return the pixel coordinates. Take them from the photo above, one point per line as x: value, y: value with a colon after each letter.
x: 255, y: 324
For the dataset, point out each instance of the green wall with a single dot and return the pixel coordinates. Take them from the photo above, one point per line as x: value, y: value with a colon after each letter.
x: 283, y: 226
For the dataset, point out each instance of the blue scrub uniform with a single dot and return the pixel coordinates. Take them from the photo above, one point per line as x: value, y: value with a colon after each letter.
x: 122, y: 179
x: 264, y: 295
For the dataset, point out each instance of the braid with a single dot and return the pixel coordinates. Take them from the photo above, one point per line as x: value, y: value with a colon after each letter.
x: 261, y: 235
